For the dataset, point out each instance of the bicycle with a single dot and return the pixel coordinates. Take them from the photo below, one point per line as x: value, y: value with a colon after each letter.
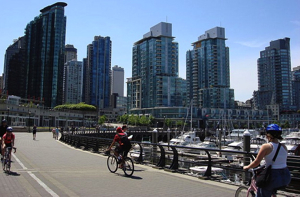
x: 250, y: 191
x: 126, y: 164
x: 6, y: 162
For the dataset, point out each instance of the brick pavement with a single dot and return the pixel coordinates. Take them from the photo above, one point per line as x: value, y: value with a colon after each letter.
x: 50, y: 168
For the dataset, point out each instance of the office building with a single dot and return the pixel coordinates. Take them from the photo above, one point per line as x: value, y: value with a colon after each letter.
x: 14, y: 82
x: 97, y: 73
x: 154, y: 70
x: 296, y: 86
x: 207, y: 71
x: 72, y: 82
x: 274, y: 78
x: 45, y: 48
x: 117, y: 80
x: 70, y: 53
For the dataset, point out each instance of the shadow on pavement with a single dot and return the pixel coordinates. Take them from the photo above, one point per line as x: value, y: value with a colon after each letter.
x: 12, y: 173
x: 133, y: 177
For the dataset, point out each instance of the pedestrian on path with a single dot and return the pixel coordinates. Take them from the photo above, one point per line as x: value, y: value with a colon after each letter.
x: 34, y: 132
x: 56, y: 133
x: 53, y: 132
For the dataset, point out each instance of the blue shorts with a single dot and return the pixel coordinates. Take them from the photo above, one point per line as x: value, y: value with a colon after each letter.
x: 279, y: 178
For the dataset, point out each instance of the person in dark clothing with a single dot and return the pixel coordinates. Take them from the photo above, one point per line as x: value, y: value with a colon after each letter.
x: 34, y: 132
x: 3, y: 128
x: 73, y: 130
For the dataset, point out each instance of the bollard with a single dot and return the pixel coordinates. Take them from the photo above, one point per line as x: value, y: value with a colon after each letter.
x: 168, y: 137
x: 246, y: 158
x: 154, y: 141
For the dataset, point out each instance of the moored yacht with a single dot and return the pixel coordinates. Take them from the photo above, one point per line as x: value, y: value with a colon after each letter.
x: 292, y: 142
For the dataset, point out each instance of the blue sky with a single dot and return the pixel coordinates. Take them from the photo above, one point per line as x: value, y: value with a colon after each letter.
x: 249, y: 25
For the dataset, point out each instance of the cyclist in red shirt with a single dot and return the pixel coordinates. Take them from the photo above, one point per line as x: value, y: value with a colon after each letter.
x: 8, y: 140
x: 117, y: 138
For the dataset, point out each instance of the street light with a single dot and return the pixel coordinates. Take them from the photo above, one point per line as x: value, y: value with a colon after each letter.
x: 29, y: 121
x: 49, y: 121
x: 8, y: 115
x: 164, y: 122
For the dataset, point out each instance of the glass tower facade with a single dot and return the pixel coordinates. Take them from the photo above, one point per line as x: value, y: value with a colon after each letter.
x: 296, y: 86
x: 14, y: 68
x: 207, y: 71
x: 97, y: 72
x: 154, y: 70
x: 45, y: 46
x: 274, y: 76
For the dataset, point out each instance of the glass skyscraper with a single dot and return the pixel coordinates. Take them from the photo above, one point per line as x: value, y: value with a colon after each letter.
x: 14, y: 68
x: 296, y: 86
x: 207, y: 71
x: 45, y: 46
x: 154, y: 70
x: 97, y: 71
x: 274, y: 76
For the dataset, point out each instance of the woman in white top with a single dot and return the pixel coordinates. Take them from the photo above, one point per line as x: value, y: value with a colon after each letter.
x: 280, y: 173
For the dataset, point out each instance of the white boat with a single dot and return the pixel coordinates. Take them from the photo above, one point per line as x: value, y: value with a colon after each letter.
x: 239, y: 133
x: 199, y: 171
x: 205, y: 145
x: 292, y: 142
x: 185, y: 139
x: 234, y: 146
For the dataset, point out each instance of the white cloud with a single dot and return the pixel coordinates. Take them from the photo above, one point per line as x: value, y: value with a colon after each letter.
x: 295, y: 22
x: 253, y: 43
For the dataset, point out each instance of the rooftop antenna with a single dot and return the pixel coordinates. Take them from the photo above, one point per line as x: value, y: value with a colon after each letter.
x: 220, y: 24
x: 166, y: 19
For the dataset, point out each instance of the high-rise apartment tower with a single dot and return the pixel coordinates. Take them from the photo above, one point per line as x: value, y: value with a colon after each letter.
x: 207, y: 71
x: 154, y: 69
x: 45, y: 47
x: 96, y: 73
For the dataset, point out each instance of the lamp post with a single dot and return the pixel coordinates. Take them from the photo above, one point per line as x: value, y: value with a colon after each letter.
x: 8, y: 115
x: 49, y: 121
x: 164, y: 123
x: 29, y: 121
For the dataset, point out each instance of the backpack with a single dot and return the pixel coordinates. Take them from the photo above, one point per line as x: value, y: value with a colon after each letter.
x: 125, y: 142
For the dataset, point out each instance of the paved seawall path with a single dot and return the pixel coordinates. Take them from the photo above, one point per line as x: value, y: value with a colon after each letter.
x: 47, y: 167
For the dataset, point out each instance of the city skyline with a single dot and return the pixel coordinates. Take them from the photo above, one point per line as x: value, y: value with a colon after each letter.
x: 250, y: 27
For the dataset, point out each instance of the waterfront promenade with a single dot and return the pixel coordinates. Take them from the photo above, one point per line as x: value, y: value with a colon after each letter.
x: 46, y: 167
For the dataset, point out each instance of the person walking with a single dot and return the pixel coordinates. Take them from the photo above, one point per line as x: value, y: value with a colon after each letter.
x: 34, y: 132
x: 53, y: 132
x: 56, y: 133
x: 280, y: 174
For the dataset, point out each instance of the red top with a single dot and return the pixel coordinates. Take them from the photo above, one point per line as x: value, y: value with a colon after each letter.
x: 117, y: 137
x: 8, y: 139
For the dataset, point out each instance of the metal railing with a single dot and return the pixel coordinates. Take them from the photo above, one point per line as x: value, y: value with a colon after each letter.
x: 168, y: 157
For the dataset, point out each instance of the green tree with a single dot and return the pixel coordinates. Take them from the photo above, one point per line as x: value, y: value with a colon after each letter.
x: 144, y: 121
x: 168, y: 122
x: 101, y: 120
x: 133, y: 120
x: 179, y: 123
x: 286, y: 124
x: 79, y: 106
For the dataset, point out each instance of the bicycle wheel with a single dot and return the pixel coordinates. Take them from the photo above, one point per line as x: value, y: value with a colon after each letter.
x: 128, y: 166
x: 3, y: 162
x: 8, y: 162
x: 112, y: 163
x: 242, y: 192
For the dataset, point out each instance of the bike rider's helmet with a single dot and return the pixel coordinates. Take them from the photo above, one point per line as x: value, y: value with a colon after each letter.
x: 9, y: 129
x: 3, y: 121
x: 119, y: 130
x: 274, y: 130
